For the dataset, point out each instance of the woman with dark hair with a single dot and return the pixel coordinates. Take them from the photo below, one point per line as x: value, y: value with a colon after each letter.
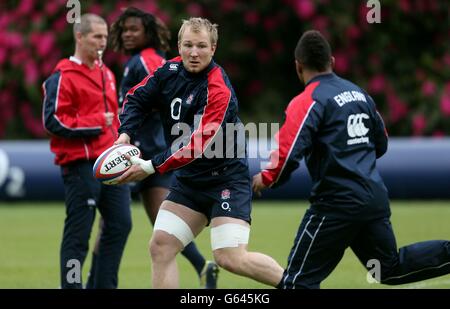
x: 146, y: 39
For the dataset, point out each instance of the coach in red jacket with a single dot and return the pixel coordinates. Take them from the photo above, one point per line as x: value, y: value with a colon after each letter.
x: 80, y: 113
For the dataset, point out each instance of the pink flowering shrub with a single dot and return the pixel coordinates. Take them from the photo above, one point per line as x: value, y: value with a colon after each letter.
x: 403, y: 62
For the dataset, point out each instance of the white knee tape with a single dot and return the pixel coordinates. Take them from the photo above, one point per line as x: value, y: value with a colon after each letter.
x: 229, y: 235
x: 169, y: 222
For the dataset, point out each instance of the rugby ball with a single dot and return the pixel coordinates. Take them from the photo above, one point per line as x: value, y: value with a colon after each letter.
x: 112, y: 163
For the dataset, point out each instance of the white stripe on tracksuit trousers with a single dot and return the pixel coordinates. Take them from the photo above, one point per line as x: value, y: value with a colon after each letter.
x: 312, y: 237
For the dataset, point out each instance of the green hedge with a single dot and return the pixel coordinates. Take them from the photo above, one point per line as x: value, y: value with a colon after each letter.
x: 403, y: 62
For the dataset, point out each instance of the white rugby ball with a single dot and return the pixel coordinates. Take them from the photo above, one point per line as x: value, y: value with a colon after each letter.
x: 112, y: 163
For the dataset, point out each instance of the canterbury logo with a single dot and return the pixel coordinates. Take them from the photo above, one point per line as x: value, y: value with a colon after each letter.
x: 355, y: 125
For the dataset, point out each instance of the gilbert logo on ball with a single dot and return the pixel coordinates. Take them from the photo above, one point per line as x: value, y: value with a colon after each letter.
x: 112, y: 163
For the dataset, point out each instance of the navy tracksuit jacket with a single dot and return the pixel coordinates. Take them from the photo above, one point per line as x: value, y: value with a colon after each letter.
x: 150, y: 137
x: 334, y: 125
x: 202, y: 103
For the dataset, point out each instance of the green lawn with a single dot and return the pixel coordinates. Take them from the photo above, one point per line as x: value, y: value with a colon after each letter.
x: 30, y: 236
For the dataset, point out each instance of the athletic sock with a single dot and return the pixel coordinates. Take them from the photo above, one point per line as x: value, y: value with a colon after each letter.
x: 194, y: 256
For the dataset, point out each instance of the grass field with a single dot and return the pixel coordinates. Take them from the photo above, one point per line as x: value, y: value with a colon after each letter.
x: 30, y: 236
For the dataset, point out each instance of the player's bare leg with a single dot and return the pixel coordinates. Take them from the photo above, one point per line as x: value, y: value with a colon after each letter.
x: 152, y: 198
x: 238, y: 260
x: 163, y: 250
x: 164, y: 246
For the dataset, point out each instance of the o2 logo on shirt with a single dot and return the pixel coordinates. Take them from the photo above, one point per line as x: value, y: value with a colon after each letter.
x: 356, y: 129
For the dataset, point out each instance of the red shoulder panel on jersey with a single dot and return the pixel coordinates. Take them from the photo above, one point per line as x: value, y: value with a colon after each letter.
x: 219, y: 96
x: 296, y: 114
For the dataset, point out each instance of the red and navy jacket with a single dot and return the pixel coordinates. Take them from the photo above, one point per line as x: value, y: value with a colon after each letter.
x: 73, y: 111
x: 334, y: 125
x: 195, y: 110
x: 150, y: 137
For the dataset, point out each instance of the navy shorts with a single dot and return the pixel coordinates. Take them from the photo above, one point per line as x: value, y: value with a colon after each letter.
x: 152, y: 181
x: 228, y: 199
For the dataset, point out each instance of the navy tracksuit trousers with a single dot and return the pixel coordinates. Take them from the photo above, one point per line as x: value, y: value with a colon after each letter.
x: 84, y: 195
x: 321, y: 241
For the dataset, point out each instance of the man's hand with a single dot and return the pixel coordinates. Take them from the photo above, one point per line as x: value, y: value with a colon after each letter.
x: 123, y: 139
x: 258, y: 184
x: 139, y: 170
x: 109, y: 117
x: 147, y: 166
